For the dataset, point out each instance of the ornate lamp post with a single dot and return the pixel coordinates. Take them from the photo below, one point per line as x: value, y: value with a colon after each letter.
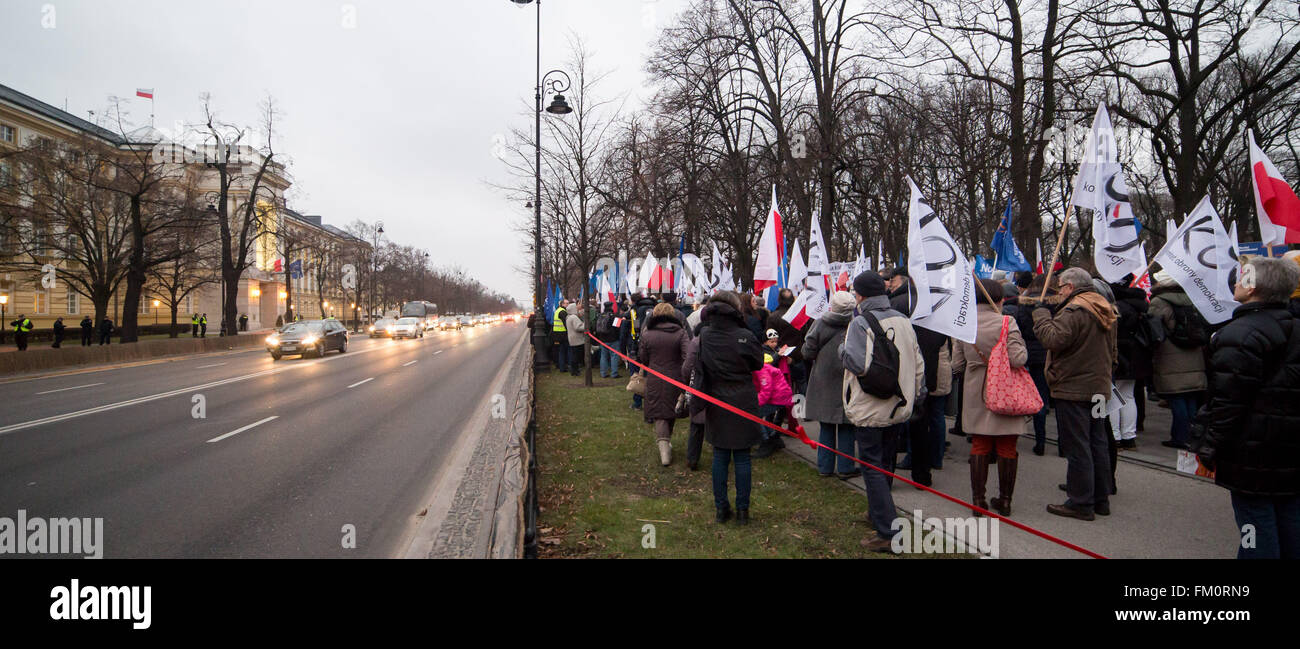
x: 557, y: 107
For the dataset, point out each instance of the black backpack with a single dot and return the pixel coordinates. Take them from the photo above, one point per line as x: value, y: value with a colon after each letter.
x: 881, y: 379
x: 1190, y: 329
x: 605, y: 324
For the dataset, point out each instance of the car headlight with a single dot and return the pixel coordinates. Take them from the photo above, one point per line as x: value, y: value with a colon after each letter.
x: 273, y: 340
x: 309, y: 340
x: 372, y: 328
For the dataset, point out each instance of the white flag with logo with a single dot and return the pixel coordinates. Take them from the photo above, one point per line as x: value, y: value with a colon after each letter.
x: 818, y: 262
x: 945, y: 287
x: 1193, y: 255
x: 1100, y: 187
x: 798, y: 270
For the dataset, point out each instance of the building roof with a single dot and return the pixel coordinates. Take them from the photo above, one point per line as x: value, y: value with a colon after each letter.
x: 50, y: 112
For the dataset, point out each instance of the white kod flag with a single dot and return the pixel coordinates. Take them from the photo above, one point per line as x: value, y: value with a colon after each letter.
x: 1192, y: 256
x: 693, y: 276
x: 818, y: 262
x: 1100, y: 187
x: 715, y: 278
x: 648, y: 270
x: 945, y: 287
x: 798, y: 270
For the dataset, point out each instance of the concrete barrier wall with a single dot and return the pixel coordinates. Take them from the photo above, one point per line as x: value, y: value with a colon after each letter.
x: 72, y: 354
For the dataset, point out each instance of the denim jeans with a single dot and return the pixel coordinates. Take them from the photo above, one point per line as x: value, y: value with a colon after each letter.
x: 839, y: 437
x: 562, y: 356
x: 1183, y: 406
x: 722, y: 457
x: 875, y: 446
x: 608, y: 362
x: 1276, y: 521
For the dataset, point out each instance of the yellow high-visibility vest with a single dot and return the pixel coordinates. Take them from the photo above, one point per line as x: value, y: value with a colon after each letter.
x: 24, y: 325
x: 558, y: 325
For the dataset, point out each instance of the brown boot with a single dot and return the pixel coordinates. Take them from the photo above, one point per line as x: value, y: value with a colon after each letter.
x: 1006, y: 485
x: 979, y: 477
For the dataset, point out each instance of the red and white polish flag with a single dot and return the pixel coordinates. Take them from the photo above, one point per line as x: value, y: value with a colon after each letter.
x: 1276, y: 203
x: 767, y: 268
x: 147, y: 93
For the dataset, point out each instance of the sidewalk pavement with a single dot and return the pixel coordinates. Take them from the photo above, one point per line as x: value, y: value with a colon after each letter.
x: 1158, y: 512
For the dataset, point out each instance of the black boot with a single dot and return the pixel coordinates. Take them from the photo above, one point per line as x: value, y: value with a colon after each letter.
x: 979, y: 477
x: 724, y: 514
x: 1006, y: 485
x: 742, y: 516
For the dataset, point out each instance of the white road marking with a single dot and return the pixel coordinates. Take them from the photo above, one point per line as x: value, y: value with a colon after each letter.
x: 411, y: 363
x: 5, y: 430
x: 437, y: 352
x: 360, y: 382
x: 240, y: 430
x: 88, y: 385
x: 212, y: 365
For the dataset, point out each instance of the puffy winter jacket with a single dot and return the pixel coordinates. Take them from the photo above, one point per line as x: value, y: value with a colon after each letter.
x: 773, y: 389
x: 1249, y: 431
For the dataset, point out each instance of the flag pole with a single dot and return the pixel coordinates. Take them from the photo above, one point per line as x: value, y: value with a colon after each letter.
x: 982, y: 289
x: 1060, y: 240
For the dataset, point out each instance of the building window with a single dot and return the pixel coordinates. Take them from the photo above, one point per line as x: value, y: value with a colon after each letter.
x: 42, y: 301
x: 189, y: 304
x: 73, y: 306
x: 8, y: 134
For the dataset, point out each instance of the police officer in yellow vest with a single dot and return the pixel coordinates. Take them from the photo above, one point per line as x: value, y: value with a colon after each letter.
x: 194, y: 325
x: 203, y: 326
x: 22, y: 326
x: 560, y: 337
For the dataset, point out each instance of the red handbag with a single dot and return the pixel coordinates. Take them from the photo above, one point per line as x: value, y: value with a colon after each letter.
x: 1008, y: 390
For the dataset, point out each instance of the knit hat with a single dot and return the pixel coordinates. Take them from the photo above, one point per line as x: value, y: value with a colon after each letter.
x: 869, y: 284
x: 842, y: 302
x: 772, y: 334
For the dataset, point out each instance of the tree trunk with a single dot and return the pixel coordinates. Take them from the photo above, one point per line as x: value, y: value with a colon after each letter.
x: 135, y: 277
x: 172, y: 333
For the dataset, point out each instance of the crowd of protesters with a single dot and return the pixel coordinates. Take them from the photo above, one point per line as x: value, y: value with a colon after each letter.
x: 878, y: 385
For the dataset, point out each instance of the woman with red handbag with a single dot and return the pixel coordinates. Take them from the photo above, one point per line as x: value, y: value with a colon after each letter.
x: 997, y: 385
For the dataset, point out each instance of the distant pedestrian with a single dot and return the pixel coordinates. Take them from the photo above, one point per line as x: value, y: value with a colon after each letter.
x: 59, y: 327
x: 663, y: 348
x: 87, y: 331
x: 1247, y: 431
x: 203, y: 326
x: 1179, y: 359
x: 243, y: 322
x: 729, y: 354
x: 824, y: 404
x: 576, y: 332
x: 560, y: 337
x: 105, y: 331
x: 194, y: 325
x: 695, y: 438
x: 607, y: 333
x: 22, y: 327
x: 1078, y: 331
x: 279, y: 321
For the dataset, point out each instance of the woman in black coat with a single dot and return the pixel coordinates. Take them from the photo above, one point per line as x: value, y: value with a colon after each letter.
x: 729, y: 355
x: 1134, y: 360
x: 662, y: 348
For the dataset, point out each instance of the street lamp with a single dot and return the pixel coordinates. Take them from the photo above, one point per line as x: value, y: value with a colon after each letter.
x: 374, y: 267
x: 156, y: 304
x: 558, y: 106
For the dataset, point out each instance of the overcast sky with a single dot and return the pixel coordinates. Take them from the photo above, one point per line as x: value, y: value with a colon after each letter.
x: 390, y: 107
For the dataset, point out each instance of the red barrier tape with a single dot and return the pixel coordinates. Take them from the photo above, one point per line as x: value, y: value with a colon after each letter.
x: 799, y: 434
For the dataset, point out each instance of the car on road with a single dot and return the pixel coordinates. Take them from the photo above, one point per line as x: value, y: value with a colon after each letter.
x: 308, y: 337
x: 382, y: 327
x: 407, y: 328
x: 448, y: 323
x: 466, y: 321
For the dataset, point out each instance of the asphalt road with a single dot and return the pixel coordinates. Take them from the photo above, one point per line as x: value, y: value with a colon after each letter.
x: 350, y: 439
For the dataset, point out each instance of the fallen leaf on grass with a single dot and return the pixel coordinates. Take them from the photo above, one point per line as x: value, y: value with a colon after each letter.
x: 550, y: 540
